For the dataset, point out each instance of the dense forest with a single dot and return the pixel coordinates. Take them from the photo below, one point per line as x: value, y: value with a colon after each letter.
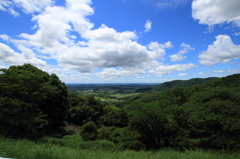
x: 194, y: 114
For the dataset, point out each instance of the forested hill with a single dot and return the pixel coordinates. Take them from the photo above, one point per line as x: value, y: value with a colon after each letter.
x: 34, y: 104
x: 173, y: 117
x: 182, y: 83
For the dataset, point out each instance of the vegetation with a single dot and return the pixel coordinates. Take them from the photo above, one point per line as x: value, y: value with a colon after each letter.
x: 25, y: 149
x: 181, y: 83
x: 34, y: 104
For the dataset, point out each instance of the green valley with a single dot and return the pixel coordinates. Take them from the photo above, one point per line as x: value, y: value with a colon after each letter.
x: 39, y: 114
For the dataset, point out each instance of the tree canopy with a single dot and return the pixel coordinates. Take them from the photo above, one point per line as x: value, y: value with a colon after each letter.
x: 32, y: 102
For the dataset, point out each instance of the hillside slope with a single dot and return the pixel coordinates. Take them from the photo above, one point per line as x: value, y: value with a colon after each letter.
x: 182, y: 83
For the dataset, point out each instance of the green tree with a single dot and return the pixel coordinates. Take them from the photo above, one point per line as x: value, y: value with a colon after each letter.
x: 84, y: 109
x: 128, y: 138
x: 114, y: 116
x: 32, y: 102
x: 162, y: 122
x: 215, y: 114
x: 89, y: 131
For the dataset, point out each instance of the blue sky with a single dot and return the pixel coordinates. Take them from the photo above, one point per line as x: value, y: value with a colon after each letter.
x: 122, y: 41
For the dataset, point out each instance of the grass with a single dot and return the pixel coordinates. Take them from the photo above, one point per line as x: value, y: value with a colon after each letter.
x: 25, y: 149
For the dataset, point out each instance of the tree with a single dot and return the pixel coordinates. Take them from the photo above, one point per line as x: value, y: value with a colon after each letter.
x: 32, y: 102
x: 84, y: 109
x: 215, y: 115
x: 89, y: 131
x: 114, y: 116
x: 162, y: 122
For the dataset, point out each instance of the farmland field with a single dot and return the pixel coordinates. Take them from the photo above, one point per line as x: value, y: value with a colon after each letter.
x: 110, y: 93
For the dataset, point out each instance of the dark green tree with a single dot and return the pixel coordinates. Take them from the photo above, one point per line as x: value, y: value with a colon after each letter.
x: 127, y: 138
x: 114, y: 116
x: 84, y: 109
x: 89, y: 131
x: 32, y: 102
x: 215, y: 115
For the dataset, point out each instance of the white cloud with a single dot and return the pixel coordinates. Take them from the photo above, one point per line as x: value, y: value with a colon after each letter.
x: 211, y: 12
x: 179, y: 56
x: 221, y: 51
x: 100, y: 48
x: 27, y: 6
x: 55, y: 31
x: 221, y: 71
x: 158, y: 51
x: 162, y: 4
x: 167, y: 69
x: 226, y: 71
x: 237, y: 34
x: 8, y: 55
x: 75, y: 78
x: 148, y: 25
x: 5, y: 37
x: 116, y: 74
x: 140, y: 76
x: 182, y: 74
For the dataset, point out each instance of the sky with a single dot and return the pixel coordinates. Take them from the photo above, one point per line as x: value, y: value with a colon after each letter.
x: 122, y: 41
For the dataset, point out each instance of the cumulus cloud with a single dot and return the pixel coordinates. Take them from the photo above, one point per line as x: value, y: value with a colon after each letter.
x: 216, y: 12
x: 8, y: 55
x: 116, y: 73
x: 221, y: 51
x: 148, y: 25
x: 5, y: 37
x: 75, y: 78
x: 167, y: 69
x: 158, y: 50
x: 99, y: 48
x: 179, y: 56
x: 27, y: 6
x: 116, y: 54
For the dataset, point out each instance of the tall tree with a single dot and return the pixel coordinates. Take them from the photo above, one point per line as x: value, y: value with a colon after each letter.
x: 32, y: 102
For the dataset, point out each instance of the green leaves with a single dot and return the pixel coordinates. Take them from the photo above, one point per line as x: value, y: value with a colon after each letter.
x: 89, y: 131
x: 31, y: 100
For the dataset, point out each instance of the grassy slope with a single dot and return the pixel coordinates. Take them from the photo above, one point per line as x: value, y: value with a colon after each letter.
x: 24, y: 149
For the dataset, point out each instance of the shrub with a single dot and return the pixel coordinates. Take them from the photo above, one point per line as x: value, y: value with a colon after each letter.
x: 89, y: 131
x: 105, y: 133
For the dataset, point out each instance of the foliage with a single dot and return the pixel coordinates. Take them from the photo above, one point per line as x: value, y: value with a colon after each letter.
x: 128, y: 139
x: 89, y: 131
x: 216, y: 115
x: 105, y: 133
x: 113, y: 116
x: 84, y: 109
x: 181, y: 83
x: 24, y: 149
x: 31, y: 101
x: 171, y: 118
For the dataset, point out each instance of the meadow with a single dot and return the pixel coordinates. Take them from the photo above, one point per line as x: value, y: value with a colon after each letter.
x: 26, y: 149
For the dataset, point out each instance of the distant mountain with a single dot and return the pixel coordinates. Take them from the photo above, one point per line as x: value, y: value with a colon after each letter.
x: 182, y: 83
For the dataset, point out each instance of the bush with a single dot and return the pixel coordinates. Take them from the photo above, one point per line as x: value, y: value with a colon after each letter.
x: 89, y: 131
x: 128, y: 139
x: 105, y: 133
